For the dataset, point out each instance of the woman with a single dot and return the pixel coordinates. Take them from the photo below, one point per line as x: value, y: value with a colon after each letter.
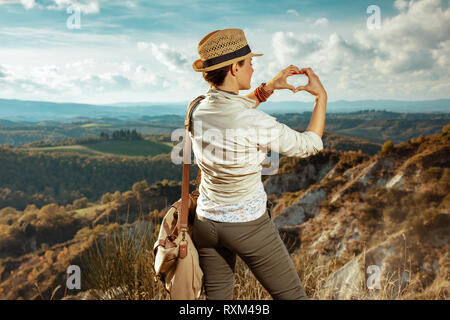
x: 232, y: 217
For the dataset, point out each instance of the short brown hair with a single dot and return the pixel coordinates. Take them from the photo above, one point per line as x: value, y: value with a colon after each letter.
x: 217, y: 77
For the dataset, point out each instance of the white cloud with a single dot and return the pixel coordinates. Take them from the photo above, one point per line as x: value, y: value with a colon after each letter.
x: 27, y: 4
x: 293, y: 11
x: 310, y: 50
x: 143, y: 45
x: 442, y: 55
x: 145, y: 78
x: 86, y: 6
x: 321, y: 22
x: 401, y: 4
x: 174, y: 59
x: 413, y: 40
x: 288, y: 46
x: 50, y: 38
x: 408, y: 58
x: 81, y: 79
x: 2, y: 72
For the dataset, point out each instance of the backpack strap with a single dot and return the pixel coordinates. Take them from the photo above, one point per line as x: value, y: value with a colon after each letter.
x: 188, y: 124
x: 190, y: 111
x: 183, y: 221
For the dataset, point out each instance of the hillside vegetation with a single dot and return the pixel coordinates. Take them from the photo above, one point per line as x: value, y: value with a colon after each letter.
x: 28, y: 177
x: 340, y: 214
x: 65, y: 170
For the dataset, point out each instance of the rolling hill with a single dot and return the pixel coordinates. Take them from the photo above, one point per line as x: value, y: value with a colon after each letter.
x: 339, y: 214
x: 21, y: 110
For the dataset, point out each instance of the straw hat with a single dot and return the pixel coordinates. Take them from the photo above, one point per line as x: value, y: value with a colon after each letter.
x: 221, y: 48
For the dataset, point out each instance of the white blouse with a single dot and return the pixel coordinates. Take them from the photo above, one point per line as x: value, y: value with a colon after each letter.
x: 231, y: 188
x: 243, y: 211
x: 229, y: 140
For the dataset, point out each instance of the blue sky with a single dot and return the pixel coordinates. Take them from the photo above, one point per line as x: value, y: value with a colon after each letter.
x: 143, y: 50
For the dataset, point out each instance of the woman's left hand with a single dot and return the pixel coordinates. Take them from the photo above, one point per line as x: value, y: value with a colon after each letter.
x: 279, y: 81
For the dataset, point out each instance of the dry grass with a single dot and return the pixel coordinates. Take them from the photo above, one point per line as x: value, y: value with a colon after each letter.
x: 418, y: 269
x: 121, y: 268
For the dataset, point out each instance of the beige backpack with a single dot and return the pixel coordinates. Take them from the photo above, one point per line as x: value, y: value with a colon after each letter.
x: 176, y: 258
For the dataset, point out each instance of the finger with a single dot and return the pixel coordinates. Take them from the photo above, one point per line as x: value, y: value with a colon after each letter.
x: 307, y: 71
x: 292, y: 88
x: 288, y: 74
x: 291, y: 68
x: 294, y: 69
x: 303, y: 71
x: 300, y: 88
x: 311, y: 72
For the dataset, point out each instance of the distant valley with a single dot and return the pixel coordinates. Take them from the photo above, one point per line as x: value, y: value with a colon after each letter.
x: 32, y: 111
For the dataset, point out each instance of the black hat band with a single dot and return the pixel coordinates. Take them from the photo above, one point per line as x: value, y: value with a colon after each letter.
x: 228, y: 56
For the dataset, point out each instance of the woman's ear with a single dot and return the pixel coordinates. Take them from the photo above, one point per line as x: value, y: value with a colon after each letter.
x: 233, y: 69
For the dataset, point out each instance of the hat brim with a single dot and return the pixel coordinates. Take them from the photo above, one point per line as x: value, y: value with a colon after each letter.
x: 198, y: 64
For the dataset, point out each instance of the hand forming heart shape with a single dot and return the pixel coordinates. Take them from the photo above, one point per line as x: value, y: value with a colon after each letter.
x: 314, y: 86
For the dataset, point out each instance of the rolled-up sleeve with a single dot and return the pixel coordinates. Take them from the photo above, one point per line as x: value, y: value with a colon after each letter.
x: 280, y: 138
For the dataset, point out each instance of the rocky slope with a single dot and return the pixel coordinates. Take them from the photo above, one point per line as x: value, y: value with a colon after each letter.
x: 389, y: 213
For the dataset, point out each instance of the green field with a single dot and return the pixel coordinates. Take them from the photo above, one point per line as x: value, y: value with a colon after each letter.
x: 114, y: 147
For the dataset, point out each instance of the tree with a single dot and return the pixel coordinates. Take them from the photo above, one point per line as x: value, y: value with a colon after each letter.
x: 140, y: 186
x: 104, y: 135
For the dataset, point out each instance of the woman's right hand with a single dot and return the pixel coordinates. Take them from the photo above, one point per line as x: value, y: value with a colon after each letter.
x: 314, y: 85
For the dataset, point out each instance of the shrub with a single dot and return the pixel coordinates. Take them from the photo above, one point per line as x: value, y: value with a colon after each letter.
x: 426, y: 199
x: 445, y: 203
x: 369, y: 217
x: 83, y: 233
x: 129, y: 194
x: 387, y: 148
x: 28, y: 229
x: 445, y: 178
x: 394, y: 214
x: 433, y: 173
x: 80, y: 203
x: 419, y: 140
x: 117, y: 195
x: 106, y: 198
x: 427, y: 222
